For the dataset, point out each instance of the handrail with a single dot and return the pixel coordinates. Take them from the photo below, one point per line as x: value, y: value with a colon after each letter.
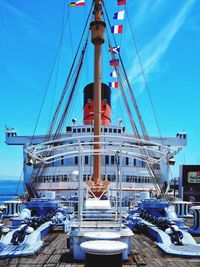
x: 129, y: 149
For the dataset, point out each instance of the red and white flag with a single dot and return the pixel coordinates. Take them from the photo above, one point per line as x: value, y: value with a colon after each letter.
x: 77, y: 3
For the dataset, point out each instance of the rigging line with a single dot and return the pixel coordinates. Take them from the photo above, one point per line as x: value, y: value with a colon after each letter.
x: 58, y: 62
x: 134, y: 127
x: 41, y: 170
x: 68, y: 78
x: 70, y: 32
x: 73, y: 105
x: 57, y: 55
x: 19, y: 180
x: 73, y: 88
x: 121, y: 84
x: 69, y: 101
x: 50, y: 76
x: 114, y: 115
x: 130, y: 113
x: 55, y: 86
x: 149, y: 166
x: 130, y: 89
x: 144, y: 76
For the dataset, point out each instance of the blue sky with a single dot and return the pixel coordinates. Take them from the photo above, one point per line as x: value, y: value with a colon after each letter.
x: 167, y: 33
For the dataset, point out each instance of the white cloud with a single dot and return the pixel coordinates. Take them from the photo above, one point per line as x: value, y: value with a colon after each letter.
x: 18, y: 14
x: 153, y: 51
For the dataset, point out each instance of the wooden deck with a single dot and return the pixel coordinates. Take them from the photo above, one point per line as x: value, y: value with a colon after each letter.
x: 55, y: 253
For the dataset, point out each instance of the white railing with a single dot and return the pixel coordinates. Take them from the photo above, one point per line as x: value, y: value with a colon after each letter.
x: 131, y: 147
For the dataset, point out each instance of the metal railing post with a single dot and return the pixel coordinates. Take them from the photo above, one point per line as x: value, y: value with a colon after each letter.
x: 120, y: 186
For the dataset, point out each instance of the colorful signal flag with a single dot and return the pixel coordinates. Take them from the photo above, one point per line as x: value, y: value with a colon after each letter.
x: 114, y: 62
x: 113, y: 74
x: 115, y: 50
x: 113, y: 84
x: 119, y: 15
x: 117, y: 29
x: 77, y: 3
x: 121, y: 2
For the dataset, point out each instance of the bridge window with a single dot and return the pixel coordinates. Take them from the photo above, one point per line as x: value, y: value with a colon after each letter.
x: 106, y: 159
x: 127, y: 161
x: 74, y: 130
x: 76, y: 160
x: 112, y: 160
x: 62, y: 160
x: 86, y: 160
x: 110, y: 130
x: 88, y: 130
x: 69, y: 129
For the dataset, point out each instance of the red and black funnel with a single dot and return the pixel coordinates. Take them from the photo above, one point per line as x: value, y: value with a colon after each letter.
x: 89, y: 104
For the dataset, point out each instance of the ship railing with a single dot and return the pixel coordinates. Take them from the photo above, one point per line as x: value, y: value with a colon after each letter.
x: 79, y: 139
x: 131, y: 147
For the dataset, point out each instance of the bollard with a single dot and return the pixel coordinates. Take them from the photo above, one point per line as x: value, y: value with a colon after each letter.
x: 196, y: 223
x: 12, y: 208
x: 182, y: 209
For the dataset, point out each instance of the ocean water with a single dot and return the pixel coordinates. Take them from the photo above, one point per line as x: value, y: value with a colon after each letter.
x: 8, y: 189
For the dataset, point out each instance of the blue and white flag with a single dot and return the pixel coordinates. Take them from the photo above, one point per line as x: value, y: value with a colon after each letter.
x: 113, y: 74
x: 115, y: 50
x: 119, y: 15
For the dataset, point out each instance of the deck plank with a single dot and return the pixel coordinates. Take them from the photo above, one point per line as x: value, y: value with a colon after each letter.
x: 54, y: 253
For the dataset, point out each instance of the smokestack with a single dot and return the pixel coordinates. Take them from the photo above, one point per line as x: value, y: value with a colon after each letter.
x: 89, y: 104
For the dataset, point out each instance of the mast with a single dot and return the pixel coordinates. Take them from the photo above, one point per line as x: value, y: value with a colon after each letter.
x: 97, y: 29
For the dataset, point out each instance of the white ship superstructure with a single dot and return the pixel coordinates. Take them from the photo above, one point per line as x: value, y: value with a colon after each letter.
x: 62, y: 173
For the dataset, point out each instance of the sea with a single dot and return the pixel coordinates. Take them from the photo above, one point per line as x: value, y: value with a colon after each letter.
x: 9, y: 189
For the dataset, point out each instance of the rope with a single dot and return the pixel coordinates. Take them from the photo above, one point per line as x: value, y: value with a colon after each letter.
x: 144, y: 76
x: 50, y: 77
x: 16, y: 192
x: 69, y: 102
x: 42, y: 167
x: 156, y: 180
x: 68, y: 79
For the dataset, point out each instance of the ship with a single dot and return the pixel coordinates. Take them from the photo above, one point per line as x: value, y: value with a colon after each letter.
x: 97, y: 149
x: 99, y: 168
